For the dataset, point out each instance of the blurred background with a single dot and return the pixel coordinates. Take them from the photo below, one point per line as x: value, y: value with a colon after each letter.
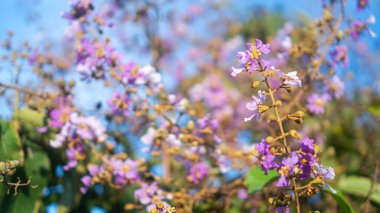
x: 195, y: 43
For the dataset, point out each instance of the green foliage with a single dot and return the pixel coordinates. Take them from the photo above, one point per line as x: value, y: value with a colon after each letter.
x: 36, y: 164
x: 360, y: 186
x: 344, y: 205
x: 256, y: 179
x: 29, y: 116
x: 10, y: 147
x: 374, y: 110
x: 37, y: 167
x: 262, y: 25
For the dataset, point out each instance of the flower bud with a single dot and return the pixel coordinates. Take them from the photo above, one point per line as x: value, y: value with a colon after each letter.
x: 327, y: 15
x: 263, y: 108
x: 11, y: 172
x: 2, y: 167
x: 270, y: 139
x: 129, y: 206
x: 287, y: 88
x: 297, y: 117
x: 278, y: 103
x: 340, y: 35
x: 182, y: 137
x: 255, y: 84
x: 191, y: 125
x: 295, y: 134
x: 14, y: 163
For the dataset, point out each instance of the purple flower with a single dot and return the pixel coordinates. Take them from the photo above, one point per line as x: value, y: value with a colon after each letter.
x: 316, y: 103
x: 339, y: 54
x: 254, y: 105
x: 210, y: 91
x: 74, y: 154
x: 92, y: 178
x: 325, y: 173
x: 357, y: 28
x: 283, y: 209
x: 60, y: 114
x: 335, y: 86
x: 146, y: 192
x: 127, y: 72
x: 290, y: 161
x: 262, y: 148
x: 206, y: 121
x: 251, y: 59
x: 307, y: 145
x: 287, y: 168
x: 198, y: 172
x: 124, y: 171
x: 283, y: 181
x: 242, y: 194
x: 260, y: 48
x: 266, y: 159
x: 268, y: 162
x: 211, y: 124
x: 361, y: 4
x: 80, y: 8
x: 88, y: 128
x: 149, y: 194
x: 120, y: 103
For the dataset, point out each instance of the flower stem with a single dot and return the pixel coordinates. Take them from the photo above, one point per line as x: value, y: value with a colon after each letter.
x: 279, y: 121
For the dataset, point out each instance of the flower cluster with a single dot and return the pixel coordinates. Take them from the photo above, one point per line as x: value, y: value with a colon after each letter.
x: 296, y: 166
x: 76, y: 133
x: 252, y: 58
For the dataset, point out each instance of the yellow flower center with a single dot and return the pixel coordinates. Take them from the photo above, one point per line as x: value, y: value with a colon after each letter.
x: 320, y: 102
x: 65, y: 116
x: 256, y: 53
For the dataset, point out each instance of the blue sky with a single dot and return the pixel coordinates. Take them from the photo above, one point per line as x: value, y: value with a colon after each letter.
x: 40, y: 20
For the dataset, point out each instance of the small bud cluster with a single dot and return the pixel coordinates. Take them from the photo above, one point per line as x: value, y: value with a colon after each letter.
x: 8, y: 169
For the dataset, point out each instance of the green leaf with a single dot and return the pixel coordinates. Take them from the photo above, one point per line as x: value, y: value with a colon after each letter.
x: 256, y: 179
x: 10, y: 143
x: 29, y: 199
x: 360, y: 186
x: 29, y: 116
x: 343, y: 204
x: 374, y: 110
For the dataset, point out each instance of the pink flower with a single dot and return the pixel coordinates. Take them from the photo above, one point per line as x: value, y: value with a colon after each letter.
x: 198, y: 172
x: 316, y: 103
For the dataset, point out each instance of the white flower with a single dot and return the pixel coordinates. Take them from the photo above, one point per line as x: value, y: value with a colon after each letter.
x: 148, y: 74
x: 371, y: 19
x: 291, y: 79
x: 148, y: 138
x: 61, y: 137
x: 183, y: 104
x: 372, y: 34
x: 286, y: 43
x: 172, y: 98
x: 173, y: 140
x: 236, y: 71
